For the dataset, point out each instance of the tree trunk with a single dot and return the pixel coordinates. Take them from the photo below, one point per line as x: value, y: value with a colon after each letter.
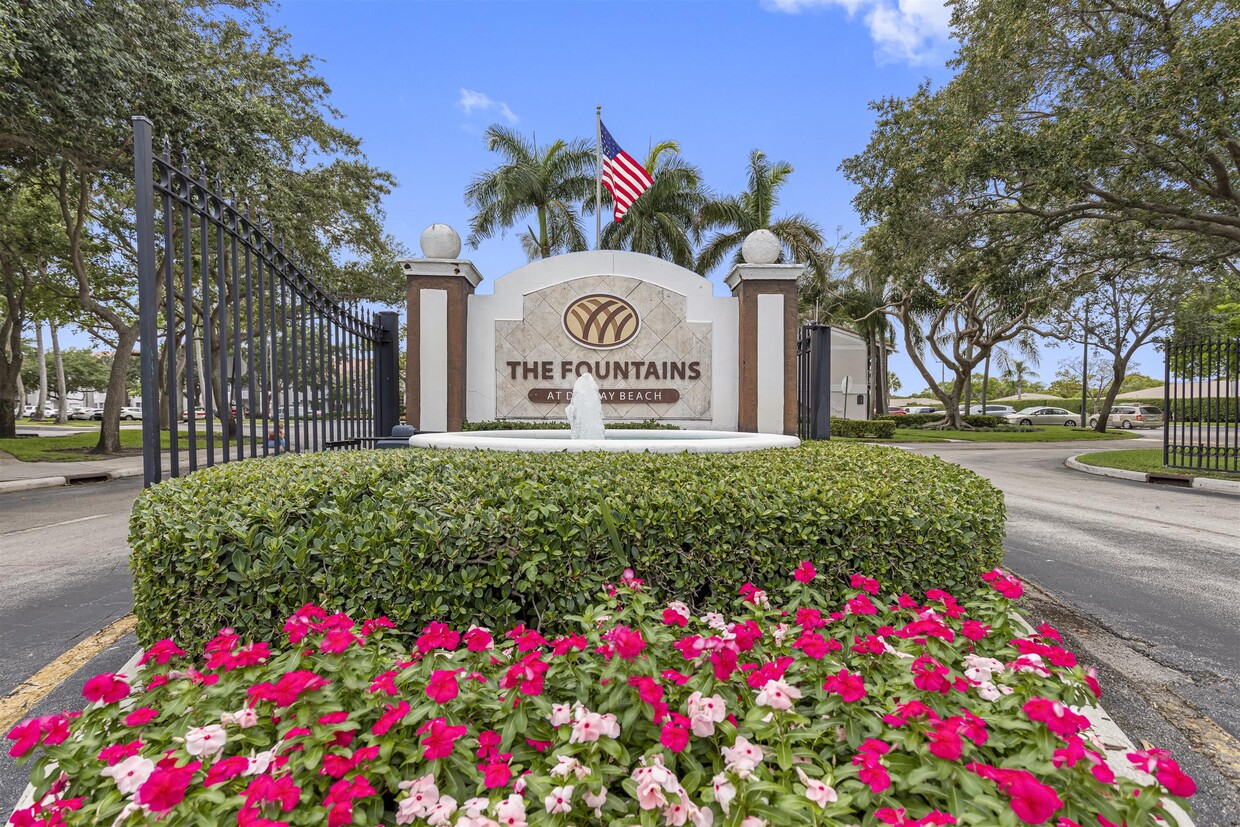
x: 11, y: 391
x: 62, y: 396
x: 985, y: 381
x: 41, y: 355
x: 1119, y: 368
x: 544, y: 243
x: 110, y: 428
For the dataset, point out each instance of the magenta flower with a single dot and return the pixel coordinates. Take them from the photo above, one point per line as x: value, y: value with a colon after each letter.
x: 439, y: 739
x: 108, y: 688
x: 442, y: 686
x: 805, y: 572
x: 392, y: 715
x: 866, y: 584
x: 850, y: 687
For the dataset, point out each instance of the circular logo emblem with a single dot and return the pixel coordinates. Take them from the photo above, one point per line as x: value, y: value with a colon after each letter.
x: 600, y: 321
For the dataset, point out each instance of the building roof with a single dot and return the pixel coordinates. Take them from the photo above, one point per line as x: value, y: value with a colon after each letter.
x: 1025, y: 396
x: 1197, y: 388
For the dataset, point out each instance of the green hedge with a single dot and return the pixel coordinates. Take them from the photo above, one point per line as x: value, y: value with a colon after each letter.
x: 498, y: 538
x: 877, y: 429
x: 919, y: 420
x: 539, y: 425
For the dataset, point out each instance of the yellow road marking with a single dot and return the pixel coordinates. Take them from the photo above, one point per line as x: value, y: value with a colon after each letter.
x: 17, y: 703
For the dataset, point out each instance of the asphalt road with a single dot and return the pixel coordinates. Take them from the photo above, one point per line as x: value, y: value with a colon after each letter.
x: 64, y: 571
x: 1145, y: 581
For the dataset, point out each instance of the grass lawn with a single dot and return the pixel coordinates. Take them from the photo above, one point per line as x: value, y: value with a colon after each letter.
x: 1146, y: 460
x: 75, y: 447
x: 1048, y: 434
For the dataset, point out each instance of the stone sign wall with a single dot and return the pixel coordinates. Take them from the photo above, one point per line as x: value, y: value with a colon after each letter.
x: 650, y: 361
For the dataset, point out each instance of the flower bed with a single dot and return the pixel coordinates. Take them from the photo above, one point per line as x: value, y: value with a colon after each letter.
x: 885, y: 710
x: 507, y: 538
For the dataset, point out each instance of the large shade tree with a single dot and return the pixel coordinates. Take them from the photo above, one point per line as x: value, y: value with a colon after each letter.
x: 545, y: 184
x: 225, y: 84
x: 733, y: 217
x: 663, y: 221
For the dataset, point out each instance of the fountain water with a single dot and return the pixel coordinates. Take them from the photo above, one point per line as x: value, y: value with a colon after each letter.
x: 585, y: 413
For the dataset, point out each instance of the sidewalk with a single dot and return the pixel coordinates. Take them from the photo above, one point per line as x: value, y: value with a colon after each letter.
x: 16, y: 475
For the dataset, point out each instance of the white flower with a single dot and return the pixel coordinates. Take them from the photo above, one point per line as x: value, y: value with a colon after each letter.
x: 759, y: 598
x: 423, y: 795
x: 725, y: 791
x: 588, y: 727
x: 742, y: 758
x: 701, y: 816
x: 752, y: 821
x: 611, y: 726
x: 777, y: 694
x: 511, y: 811
x: 715, y: 620
x: 205, y: 741
x: 560, y: 714
x: 816, y: 791
x: 245, y: 718
x: 473, y: 807
x: 567, y: 764
x: 680, y: 609
x: 442, y: 811
x: 704, y: 713
x: 259, y: 763
x: 676, y: 814
x: 560, y: 800
x: 130, y: 774
x: 781, y: 632
x: 595, y: 800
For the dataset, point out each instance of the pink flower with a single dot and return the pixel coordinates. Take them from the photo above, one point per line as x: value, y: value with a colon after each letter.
x: 286, y: 690
x: 1005, y: 584
x: 725, y: 791
x: 805, y: 572
x: 849, y: 687
x: 206, y: 741
x: 511, y: 811
x: 161, y: 651
x: 590, y: 726
x: 226, y: 770
x: 142, y: 715
x: 559, y: 800
x: 675, y: 734
x: 869, y: 758
x: 628, y: 642
x: 437, y: 636
x: 392, y: 715
x: 866, y: 584
x: 897, y: 818
x: 107, y: 688
x: 931, y: 676
x: 165, y: 788
x: 974, y: 630
x: 1031, y: 800
x: 944, y: 740
x: 478, y: 639
x: 742, y: 758
x: 778, y: 694
x: 496, y: 772
x: 385, y: 682
x: 115, y: 753
x: 676, y: 614
x: 440, y: 739
x: 421, y: 799
x: 264, y: 789
x: 1058, y: 718
x: 861, y: 605
x: 705, y: 712
x: 815, y: 645
x: 442, y: 686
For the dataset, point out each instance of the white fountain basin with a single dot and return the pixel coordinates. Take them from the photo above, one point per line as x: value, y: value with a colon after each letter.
x: 628, y: 441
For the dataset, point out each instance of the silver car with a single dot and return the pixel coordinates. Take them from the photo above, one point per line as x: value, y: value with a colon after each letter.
x: 1039, y: 415
x: 1132, y: 416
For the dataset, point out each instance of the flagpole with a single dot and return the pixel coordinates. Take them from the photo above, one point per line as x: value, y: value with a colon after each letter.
x: 598, y: 175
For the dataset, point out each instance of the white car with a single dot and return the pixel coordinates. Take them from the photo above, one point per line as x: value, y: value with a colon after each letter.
x: 991, y: 410
x: 131, y: 413
x: 1042, y: 415
x: 87, y: 413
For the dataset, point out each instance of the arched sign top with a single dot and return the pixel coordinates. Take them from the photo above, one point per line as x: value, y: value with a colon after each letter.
x: 601, y: 321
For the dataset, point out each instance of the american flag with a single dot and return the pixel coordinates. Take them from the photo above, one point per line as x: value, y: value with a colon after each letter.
x: 624, y: 178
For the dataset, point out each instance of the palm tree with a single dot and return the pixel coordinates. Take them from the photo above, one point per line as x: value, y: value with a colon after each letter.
x: 663, y: 221
x: 547, y: 182
x: 736, y: 216
x: 1017, y: 372
x: 857, y: 301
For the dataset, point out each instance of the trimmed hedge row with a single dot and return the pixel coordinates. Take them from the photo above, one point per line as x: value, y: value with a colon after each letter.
x: 918, y: 420
x: 877, y: 429
x: 519, y: 425
x: 496, y: 539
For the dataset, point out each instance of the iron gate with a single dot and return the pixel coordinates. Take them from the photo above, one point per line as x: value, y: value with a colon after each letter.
x: 814, y: 381
x: 236, y: 333
x: 1202, y: 405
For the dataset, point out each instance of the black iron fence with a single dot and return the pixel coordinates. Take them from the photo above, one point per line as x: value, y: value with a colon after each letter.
x: 243, y: 352
x: 814, y: 381
x: 1202, y: 405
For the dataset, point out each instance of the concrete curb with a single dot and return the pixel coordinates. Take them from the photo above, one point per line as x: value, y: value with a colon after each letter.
x: 35, y: 483
x: 1199, y: 483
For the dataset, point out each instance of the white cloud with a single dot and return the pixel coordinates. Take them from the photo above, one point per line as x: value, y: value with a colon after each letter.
x: 907, y: 30
x: 472, y: 101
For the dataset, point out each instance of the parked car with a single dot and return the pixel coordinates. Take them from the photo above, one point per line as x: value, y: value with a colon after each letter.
x: 131, y: 413
x: 199, y: 413
x: 1132, y: 416
x: 991, y: 410
x: 1039, y: 415
x: 87, y: 413
x: 920, y: 409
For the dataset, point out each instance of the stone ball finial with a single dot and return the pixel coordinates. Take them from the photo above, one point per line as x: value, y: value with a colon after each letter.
x: 440, y: 241
x: 761, y: 247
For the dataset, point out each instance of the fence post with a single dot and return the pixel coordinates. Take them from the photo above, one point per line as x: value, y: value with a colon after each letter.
x: 387, y: 395
x: 148, y: 300
x: 820, y: 412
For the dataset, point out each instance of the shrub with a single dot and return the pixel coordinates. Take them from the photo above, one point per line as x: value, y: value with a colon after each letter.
x: 877, y: 429
x: 920, y: 420
x: 500, y: 538
x: 903, y: 714
x: 547, y: 425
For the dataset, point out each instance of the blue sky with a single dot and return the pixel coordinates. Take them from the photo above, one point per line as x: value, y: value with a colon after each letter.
x: 420, y: 81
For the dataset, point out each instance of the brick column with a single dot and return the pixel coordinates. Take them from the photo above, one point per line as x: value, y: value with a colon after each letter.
x: 438, y: 301
x: 767, y: 299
